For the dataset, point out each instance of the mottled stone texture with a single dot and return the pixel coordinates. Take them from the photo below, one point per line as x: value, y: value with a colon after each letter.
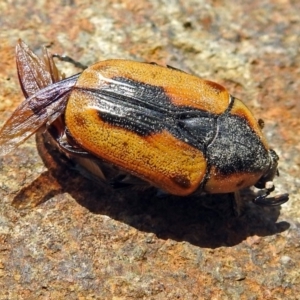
x: 86, y: 242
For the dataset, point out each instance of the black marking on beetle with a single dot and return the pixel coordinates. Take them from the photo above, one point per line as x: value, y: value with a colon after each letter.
x: 146, y: 109
x: 237, y: 148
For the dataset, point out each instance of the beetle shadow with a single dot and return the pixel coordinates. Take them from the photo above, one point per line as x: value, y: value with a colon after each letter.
x: 205, y: 221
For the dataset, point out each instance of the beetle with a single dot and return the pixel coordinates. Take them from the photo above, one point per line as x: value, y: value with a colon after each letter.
x: 144, y: 124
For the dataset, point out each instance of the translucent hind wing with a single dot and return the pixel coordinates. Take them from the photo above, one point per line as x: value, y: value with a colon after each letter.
x: 35, y: 73
x: 46, y: 95
x: 41, y: 108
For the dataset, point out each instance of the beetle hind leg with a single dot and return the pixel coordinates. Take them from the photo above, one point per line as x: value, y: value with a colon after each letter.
x: 63, y: 140
x: 70, y: 60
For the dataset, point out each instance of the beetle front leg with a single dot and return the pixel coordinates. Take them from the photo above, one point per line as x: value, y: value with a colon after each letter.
x: 264, y: 200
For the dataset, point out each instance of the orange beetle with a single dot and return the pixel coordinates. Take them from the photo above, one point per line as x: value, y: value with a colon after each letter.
x: 145, y: 124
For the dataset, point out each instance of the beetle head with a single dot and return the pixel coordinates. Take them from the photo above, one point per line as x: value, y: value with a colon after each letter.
x: 266, y: 183
x: 270, y: 173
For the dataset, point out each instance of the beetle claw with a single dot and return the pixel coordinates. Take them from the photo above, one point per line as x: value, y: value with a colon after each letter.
x: 264, y: 200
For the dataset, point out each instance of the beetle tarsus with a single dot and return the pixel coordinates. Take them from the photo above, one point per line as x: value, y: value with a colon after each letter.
x: 264, y: 200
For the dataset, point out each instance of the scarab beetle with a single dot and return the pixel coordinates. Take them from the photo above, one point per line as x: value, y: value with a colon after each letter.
x: 146, y: 124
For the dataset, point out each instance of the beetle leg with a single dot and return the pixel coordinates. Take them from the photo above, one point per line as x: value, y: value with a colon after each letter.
x: 77, y: 158
x: 67, y: 148
x: 124, y: 180
x: 237, y: 203
x: 70, y: 60
x: 264, y: 200
x: 64, y: 141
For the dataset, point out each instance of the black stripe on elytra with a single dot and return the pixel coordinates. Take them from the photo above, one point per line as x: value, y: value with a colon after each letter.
x: 146, y: 109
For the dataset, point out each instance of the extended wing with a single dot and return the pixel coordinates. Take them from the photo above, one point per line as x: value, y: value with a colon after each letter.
x: 46, y: 95
x: 34, y: 112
